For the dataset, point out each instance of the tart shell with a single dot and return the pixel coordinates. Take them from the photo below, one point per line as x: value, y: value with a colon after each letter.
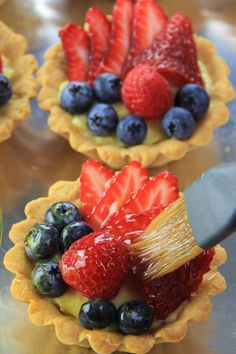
x: 13, y: 46
x: 43, y: 312
x: 54, y: 72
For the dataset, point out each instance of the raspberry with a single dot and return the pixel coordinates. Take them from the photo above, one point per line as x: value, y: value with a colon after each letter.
x: 146, y: 93
x: 165, y: 294
x: 96, y: 265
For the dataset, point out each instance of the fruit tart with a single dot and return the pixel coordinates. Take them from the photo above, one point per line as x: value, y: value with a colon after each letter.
x: 136, y: 85
x: 17, y: 84
x: 74, y: 265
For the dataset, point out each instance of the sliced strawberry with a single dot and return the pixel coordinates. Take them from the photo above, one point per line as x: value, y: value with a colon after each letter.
x: 161, y: 189
x: 121, y: 38
x: 173, y: 52
x: 157, y: 192
x: 99, y: 31
x: 76, y: 45
x: 128, y: 227
x: 149, y: 18
x: 94, y: 178
x: 1, y: 65
x: 127, y: 181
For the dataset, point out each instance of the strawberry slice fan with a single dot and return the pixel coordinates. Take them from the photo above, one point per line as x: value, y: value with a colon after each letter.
x: 90, y: 287
x: 136, y: 85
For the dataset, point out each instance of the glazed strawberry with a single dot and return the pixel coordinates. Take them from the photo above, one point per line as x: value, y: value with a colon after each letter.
x: 94, y: 178
x: 99, y: 31
x: 76, y: 45
x: 146, y: 93
x: 128, y: 227
x: 96, y: 265
x: 120, y: 38
x: 149, y: 18
x: 174, y: 52
x: 127, y: 181
x: 165, y: 294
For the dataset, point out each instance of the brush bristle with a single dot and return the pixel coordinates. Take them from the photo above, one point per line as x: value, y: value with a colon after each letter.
x: 168, y: 242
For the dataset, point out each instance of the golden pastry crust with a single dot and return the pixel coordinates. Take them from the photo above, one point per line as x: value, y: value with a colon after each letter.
x: 43, y: 312
x: 13, y: 46
x: 54, y: 72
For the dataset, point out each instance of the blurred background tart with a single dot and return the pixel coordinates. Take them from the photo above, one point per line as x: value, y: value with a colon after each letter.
x: 134, y: 79
x: 17, y: 83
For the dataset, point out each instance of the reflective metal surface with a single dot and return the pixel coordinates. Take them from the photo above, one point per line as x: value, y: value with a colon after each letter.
x: 34, y: 158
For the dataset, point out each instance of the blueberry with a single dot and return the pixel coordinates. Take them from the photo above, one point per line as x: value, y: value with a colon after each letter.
x: 194, y: 98
x: 102, y: 119
x: 131, y: 130
x: 107, y: 88
x: 47, y: 279
x: 41, y: 242
x: 61, y: 214
x: 5, y: 90
x: 97, y: 314
x: 77, y: 97
x: 178, y: 123
x: 135, y: 317
x: 73, y: 232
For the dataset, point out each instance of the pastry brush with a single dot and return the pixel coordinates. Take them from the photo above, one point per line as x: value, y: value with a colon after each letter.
x: 204, y: 215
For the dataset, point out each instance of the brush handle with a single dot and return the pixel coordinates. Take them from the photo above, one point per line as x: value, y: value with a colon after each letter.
x: 211, y: 205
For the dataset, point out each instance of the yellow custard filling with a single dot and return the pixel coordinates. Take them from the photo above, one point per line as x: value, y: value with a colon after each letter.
x: 154, y: 135
x: 7, y: 70
x: 155, y: 132
x: 71, y: 302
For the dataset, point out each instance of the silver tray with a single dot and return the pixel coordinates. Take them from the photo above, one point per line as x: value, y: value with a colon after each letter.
x: 34, y: 158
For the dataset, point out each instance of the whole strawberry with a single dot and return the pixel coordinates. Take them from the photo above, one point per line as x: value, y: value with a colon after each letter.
x: 146, y: 93
x: 96, y: 265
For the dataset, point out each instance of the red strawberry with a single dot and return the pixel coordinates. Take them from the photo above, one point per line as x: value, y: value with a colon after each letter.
x: 128, y: 227
x: 96, y: 265
x: 146, y: 93
x: 120, y: 39
x: 1, y: 65
x: 155, y: 195
x: 149, y: 18
x: 93, y: 179
x: 165, y: 294
x: 127, y: 181
x: 100, y: 31
x: 159, y: 190
x: 174, y: 52
x: 76, y: 45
